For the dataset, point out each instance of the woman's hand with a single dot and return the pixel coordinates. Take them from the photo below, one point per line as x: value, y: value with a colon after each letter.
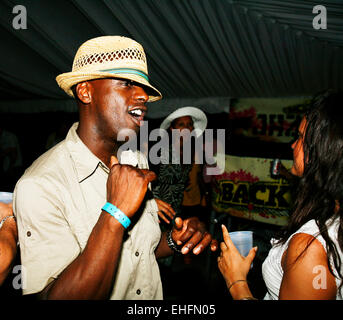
x: 165, y: 209
x: 232, y: 265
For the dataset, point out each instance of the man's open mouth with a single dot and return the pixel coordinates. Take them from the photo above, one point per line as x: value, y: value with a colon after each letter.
x: 137, y: 114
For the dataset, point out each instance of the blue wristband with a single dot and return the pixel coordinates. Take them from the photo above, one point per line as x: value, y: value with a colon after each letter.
x: 117, y: 213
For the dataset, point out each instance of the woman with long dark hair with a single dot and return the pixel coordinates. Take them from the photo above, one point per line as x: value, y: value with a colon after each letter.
x: 306, y: 261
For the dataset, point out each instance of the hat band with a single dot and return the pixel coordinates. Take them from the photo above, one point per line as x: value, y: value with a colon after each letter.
x: 127, y: 71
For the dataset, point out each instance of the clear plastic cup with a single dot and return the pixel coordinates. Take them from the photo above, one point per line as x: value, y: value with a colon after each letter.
x: 6, y: 197
x: 243, y: 241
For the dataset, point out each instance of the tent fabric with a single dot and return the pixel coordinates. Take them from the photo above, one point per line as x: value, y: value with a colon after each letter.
x: 200, y: 52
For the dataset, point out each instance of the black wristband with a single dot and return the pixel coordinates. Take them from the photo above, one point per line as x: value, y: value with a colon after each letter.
x: 171, y: 243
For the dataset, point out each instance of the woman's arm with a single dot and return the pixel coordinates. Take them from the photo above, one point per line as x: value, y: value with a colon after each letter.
x: 306, y: 273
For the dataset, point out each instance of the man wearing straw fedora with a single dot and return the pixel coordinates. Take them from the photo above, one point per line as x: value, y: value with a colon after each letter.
x: 87, y: 228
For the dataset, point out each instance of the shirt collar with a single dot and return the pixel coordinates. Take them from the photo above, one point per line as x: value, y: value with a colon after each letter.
x: 85, y: 161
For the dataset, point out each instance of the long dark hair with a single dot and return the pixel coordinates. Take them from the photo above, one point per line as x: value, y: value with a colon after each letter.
x: 320, y: 188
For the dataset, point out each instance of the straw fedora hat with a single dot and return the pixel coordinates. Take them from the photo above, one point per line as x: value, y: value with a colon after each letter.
x: 108, y: 57
x: 199, y: 119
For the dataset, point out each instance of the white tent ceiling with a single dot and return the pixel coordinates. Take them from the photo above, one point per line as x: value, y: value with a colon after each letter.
x: 200, y: 52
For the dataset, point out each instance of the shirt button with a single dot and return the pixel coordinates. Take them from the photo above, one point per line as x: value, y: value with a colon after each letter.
x: 138, y: 292
x: 137, y: 254
x: 28, y: 233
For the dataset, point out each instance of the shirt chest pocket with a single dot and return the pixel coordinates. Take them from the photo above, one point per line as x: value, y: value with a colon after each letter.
x: 146, y: 234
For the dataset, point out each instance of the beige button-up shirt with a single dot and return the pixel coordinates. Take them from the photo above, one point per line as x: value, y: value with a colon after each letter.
x: 58, y: 201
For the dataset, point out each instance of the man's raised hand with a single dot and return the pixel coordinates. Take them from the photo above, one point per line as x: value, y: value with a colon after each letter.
x: 127, y: 186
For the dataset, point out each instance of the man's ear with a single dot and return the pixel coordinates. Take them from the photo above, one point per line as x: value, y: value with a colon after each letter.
x: 83, y: 92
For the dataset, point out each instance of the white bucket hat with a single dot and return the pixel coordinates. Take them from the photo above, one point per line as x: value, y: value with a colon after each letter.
x: 108, y: 57
x: 199, y: 119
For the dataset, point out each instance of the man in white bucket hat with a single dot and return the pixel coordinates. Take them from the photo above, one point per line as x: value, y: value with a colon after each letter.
x: 86, y: 227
